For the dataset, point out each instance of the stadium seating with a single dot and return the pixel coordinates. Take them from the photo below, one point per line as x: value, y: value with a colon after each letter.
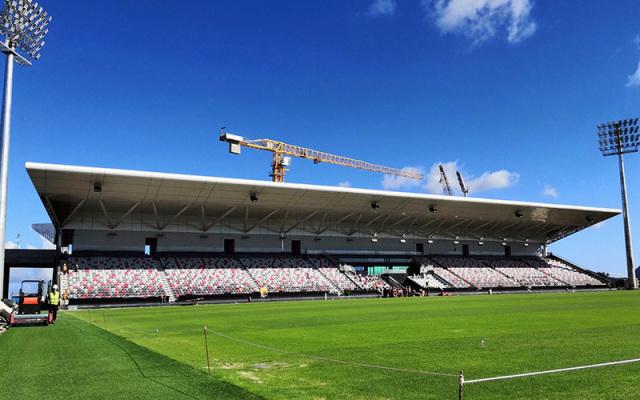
x: 465, y: 272
x: 287, y: 274
x: 523, y: 272
x: 451, y: 277
x: 338, y: 278
x: 207, y: 276
x: 114, y: 277
x: 331, y: 272
x: 180, y: 277
x: 564, y: 273
x: 372, y: 283
x: 429, y: 281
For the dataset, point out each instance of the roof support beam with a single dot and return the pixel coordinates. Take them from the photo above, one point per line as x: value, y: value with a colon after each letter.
x: 301, y: 221
x: 354, y: 229
x: 203, y: 219
x: 507, y: 227
x: 105, y: 213
x: 398, y: 222
x: 52, y: 210
x: 262, y: 220
x: 544, y: 230
x: 374, y: 219
x: 284, y: 221
x: 221, y: 217
x: 126, y: 214
x: 73, y: 212
x: 156, y: 214
x: 178, y: 214
x: 427, y: 224
x: 481, y: 226
x: 384, y: 221
x: 324, y: 216
x: 536, y: 227
x: 410, y: 227
x: 246, y: 217
x: 334, y: 224
x: 457, y: 224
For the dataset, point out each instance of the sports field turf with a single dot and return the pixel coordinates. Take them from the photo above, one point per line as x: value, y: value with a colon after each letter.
x: 318, y: 349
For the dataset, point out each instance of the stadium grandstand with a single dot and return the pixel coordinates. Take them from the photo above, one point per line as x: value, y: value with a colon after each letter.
x: 131, y: 236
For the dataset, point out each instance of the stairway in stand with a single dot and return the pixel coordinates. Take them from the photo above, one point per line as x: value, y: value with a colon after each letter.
x: 166, y: 287
x: 64, y: 282
x: 334, y: 285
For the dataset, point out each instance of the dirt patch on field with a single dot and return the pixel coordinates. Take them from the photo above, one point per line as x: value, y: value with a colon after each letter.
x: 250, y: 375
x: 270, y: 365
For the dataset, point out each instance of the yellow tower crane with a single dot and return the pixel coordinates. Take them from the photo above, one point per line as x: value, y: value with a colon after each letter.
x: 282, y: 153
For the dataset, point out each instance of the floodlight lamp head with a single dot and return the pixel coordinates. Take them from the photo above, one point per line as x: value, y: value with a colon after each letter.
x: 619, y: 137
x: 24, y: 25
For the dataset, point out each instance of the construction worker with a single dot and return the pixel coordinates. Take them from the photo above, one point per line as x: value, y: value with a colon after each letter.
x: 54, y: 303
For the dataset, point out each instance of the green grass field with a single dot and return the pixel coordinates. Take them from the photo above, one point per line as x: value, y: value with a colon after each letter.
x: 333, y: 349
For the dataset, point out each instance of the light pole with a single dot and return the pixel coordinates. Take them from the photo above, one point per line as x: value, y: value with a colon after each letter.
x: 618, y: 138
x: 24, y: 26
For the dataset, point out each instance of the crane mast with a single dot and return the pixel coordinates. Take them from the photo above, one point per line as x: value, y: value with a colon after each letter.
x: 444, y: 181
x: 282, y: 153
x: 463, y: 188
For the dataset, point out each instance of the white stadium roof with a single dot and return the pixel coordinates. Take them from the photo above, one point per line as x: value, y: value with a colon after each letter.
x: 114, y: 199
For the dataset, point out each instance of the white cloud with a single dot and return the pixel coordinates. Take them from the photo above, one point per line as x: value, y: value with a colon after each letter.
x: 550, y: 191
x: 382, y: 8
x: 344, y: 184
x: 481, y: 20
x: 501, y: 179
x: 433, y: 185
x: 490, y: 180
x: 390, y: 182
x: 493, y: 180
x: 46, y: 244
x: 634, y: 79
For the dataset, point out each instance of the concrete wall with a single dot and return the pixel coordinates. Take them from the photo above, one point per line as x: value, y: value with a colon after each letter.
x: 193, y: 242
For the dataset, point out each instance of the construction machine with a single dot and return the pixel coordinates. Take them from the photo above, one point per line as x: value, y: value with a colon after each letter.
x: 32, y: 304
x: 282, y: 153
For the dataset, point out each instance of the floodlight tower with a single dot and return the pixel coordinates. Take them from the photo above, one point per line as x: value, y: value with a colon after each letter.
x: 23, y: 23
x: 618, y: 138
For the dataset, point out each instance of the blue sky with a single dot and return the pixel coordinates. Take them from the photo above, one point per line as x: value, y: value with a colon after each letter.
x: 508, y: 90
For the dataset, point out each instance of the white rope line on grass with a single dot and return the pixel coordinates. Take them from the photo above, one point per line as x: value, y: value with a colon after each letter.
x: 332, y: 360
x: 551, y: 371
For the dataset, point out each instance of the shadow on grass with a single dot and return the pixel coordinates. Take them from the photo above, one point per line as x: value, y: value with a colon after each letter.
x: 79, y: 360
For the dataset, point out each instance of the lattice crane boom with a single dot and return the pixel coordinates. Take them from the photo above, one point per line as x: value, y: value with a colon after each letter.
x: 283, y: 151
x: 444, y: 181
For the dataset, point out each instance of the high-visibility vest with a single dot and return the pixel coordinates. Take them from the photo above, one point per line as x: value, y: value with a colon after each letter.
x: 54, y: 298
